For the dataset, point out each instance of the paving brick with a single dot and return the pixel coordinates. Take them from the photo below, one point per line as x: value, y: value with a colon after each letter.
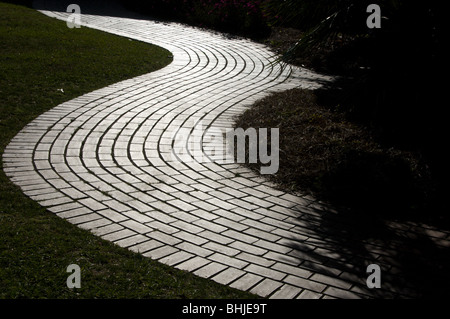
x: 248, y: 248
x: 257, y: 225
x: 186, y: 217
x: 74, y: 212
x: 227, y: 276
x: 307, y: 294
x: 258, y: 202
x: 176, y: 258
x: 231, y: 192
x: 162, y: 227
x: 163, y: 207
x: 230, y: 224
x: 221, y: 249
x: 229, y: 261
x: 274, y: 247
x: 131, y: 241
x: 195, y: 239
x: 340, y: 293
x: 289, y: 236
x: 277, y: 223
x: 304, y: 283
x: 119, y: 235
x: 210, y: 270
x: 56, y: 201
x: 195, y: 249
x: 255, y: 259
x: 187, y: 227
x: 204, y: 224
x: 283, y: 258
x: 220, y: 203
x: 92, y: 204
x: 73, y: 193
x: 266, y: 272
x: 242, y: 237
x: 327, y: 280
x: 107, y: 229
x: 193, y: 264
x: 46, y: 196
x: 216, y: 237
x: 84, y: 218
x: 136, y: 226
x: 259, y: 234
x: 254, y: 192
x: 95, y: 224
x: 286, y: 292
x: 112, y: 215
x: 269, y: 190
x: 247, y: 205
x: 266, y: 287
x: 280, y: 201
x: 69, y: 206
x: 204, y: 205
x: 161, y: 217
x: 160, y: 252
x: 229, y: 215
x: 246, y: 282
x: 146, y: 246
x: 164, y: 238
x: 297, y: 271
x: 246, y: 213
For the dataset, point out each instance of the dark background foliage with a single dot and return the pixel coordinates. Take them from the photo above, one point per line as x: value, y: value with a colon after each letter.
x: 239, y: 17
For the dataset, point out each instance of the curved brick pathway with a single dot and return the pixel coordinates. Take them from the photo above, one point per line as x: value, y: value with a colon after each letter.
x: 104, y: 162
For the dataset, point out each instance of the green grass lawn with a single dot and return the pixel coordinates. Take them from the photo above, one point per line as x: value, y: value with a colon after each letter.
x: 39, y: 56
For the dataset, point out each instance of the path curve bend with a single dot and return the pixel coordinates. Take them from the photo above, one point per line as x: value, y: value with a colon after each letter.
x: 104, y: 162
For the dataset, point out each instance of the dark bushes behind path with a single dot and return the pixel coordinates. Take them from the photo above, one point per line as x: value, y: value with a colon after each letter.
x: 240, y: 17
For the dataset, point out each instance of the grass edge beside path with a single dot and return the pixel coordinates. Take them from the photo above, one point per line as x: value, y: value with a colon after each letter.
x: 334, y: 159
x: 38, y: 57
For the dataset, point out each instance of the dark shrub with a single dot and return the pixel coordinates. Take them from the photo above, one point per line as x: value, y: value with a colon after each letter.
x: 240, y: 17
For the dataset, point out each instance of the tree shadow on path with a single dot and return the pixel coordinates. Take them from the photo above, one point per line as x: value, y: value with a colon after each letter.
x: 413, y: 256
